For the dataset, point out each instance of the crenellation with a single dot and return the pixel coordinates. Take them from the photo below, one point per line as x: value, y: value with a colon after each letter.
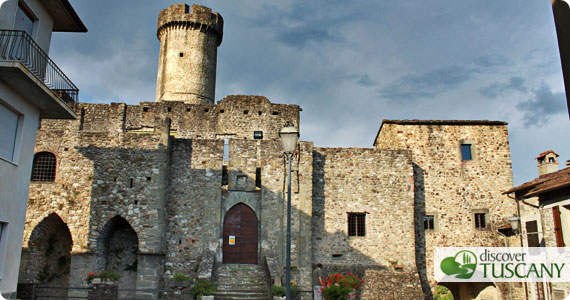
x: 149, y: 181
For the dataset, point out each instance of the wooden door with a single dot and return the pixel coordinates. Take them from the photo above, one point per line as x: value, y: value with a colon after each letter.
x: 240, y: 235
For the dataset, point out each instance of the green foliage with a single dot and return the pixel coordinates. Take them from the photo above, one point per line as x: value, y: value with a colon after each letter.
x: 442, y: 293
x: 203, y: 287
x: 337, y: 286
x: 113, y: 276
x: 180, y: 277
x: 277, y: 291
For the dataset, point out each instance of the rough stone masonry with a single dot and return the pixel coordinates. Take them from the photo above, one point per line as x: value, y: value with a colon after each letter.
x: 144, y: 190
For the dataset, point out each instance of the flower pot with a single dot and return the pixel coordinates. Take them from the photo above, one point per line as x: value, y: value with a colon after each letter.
x: 279, y: 298
x: 96, y: 280
x: 209, y: 297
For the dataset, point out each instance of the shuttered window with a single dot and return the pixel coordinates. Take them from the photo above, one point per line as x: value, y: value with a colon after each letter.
x: 8, y: 132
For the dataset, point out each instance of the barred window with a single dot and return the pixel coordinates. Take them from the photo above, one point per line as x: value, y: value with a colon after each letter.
x: 429, y: 222
x: 480, y: 221
x: 43, y: 168
x: 356, y: 224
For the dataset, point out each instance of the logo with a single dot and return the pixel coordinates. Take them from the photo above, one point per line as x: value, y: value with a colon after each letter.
x: 501, y: 264
x: 462, y: 265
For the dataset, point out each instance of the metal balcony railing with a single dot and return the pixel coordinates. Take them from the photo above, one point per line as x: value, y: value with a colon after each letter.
x: 19, y: 46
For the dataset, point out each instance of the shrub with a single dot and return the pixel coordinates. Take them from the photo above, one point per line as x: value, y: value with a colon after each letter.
x: 278, y: 291
x: 113, y: 276
x: 203, y: 287
x: 180, y: 277
x: 337, y: 286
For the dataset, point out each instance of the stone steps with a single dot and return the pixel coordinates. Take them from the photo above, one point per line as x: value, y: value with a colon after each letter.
x: 241, y: 282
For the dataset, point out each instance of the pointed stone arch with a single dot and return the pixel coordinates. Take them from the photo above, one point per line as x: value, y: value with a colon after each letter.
x: 117, y: 250
x: 49, y: 258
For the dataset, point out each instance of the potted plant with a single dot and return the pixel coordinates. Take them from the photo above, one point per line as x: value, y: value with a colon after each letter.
x: 339, y: 286
x: 102, y: 277
x: 278, y: 292
x: 203, y: 289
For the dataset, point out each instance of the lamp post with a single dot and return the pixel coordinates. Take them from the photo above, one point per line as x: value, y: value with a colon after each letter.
x: 289, y: 136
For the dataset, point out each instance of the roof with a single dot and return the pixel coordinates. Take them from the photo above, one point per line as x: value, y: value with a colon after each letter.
x: 543, y: 154
x: 542, y: 184
x: 438, y: 122
x: 65, y: 19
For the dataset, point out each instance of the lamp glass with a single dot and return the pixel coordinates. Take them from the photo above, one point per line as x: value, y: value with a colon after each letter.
x: 289, y: 137
x: 514, y: 221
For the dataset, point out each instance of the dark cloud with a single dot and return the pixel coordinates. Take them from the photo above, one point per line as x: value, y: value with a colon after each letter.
x: 427, y: 85
x: 537, y: 111
x: 301, y: 36
x: 365, y: 80
x: 491, y: 61
x: 499, y: 88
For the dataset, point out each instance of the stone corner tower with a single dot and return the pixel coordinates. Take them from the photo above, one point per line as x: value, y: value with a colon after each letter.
x: 189, y: 40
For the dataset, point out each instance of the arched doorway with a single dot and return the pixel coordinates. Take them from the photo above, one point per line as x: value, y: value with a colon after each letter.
x: 49, y: 247
x: 117, y: 251
x: 240, y: 235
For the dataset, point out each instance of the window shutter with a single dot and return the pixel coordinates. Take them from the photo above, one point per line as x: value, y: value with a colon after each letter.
x: 557, y: 226
x: 8, y: 130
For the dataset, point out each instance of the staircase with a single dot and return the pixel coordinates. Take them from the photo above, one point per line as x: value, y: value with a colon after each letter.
x: 242, y: 282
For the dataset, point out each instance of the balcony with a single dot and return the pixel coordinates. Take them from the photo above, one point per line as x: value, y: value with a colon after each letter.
x: 30, y: 72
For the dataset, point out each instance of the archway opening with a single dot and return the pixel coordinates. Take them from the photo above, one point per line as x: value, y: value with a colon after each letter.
x: 118, y: 249
x: 49, y: 247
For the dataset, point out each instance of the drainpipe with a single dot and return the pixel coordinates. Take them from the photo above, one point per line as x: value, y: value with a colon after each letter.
x: 510, y: 283
x: 520, y: 236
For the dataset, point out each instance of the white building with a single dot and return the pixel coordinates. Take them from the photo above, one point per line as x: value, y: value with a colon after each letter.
x: 31, y: 87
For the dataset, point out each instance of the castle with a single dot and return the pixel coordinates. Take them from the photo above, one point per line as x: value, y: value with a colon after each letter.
x: 159, y: 188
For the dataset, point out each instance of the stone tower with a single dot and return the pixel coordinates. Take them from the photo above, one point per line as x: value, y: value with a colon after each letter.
x: 189, y: 41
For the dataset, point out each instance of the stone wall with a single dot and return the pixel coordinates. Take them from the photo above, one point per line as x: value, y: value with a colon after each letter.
x: 235, y: 116
x: 377, y: 182
x: 380, y: 184
x: 452, y: 189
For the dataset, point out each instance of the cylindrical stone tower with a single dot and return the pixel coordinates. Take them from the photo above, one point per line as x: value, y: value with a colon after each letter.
x: 189, y: 41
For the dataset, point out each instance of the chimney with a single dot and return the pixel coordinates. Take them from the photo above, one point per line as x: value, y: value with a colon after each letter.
x: 547, y: 162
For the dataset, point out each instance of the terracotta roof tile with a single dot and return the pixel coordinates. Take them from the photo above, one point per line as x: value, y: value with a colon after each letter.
x: 542, y: 184
x: 543, y: 154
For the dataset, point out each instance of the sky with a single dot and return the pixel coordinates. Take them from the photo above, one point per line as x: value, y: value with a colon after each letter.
x: 351, y: 64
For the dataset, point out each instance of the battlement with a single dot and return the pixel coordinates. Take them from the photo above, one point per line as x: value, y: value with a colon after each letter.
x: 236, y: 116
x: 198, y: 18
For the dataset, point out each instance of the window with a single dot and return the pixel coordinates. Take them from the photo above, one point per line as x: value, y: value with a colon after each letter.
x: 24, y: 19
x: 3, y: 245
x: 226, y: 154
x: 356, y: 224
x: 258, y: 177
x: 43, y: 168
x: 9, y: 131
x: 532, y: 238
x: 480, y: 222
x: 224, y: 175
x: 429, y: 222
x: 466, y: 153
x: 258, y: 135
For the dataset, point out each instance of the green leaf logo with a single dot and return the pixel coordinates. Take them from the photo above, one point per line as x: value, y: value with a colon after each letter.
x: 463, y: 264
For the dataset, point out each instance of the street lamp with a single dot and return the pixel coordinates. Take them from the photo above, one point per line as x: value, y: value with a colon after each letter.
x: 515, y: 224
x: 289, y: 136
